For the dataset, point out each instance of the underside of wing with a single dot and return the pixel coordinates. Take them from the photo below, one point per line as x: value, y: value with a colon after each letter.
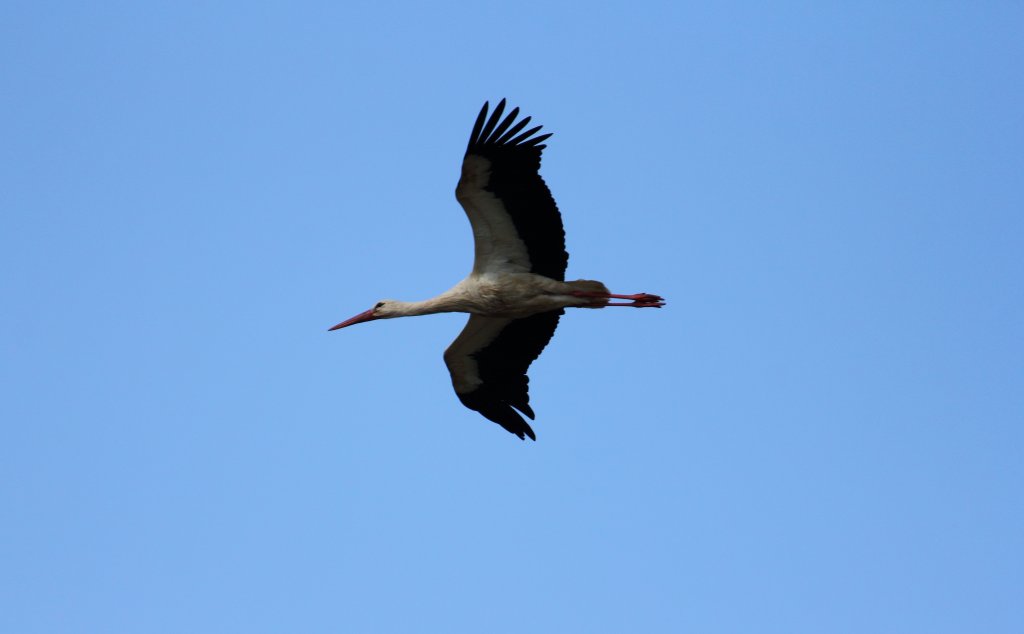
x: 488, y: 363
x: 516, y: 223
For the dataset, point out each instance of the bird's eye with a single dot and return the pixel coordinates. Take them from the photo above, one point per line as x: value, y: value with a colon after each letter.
x: 379, y: 304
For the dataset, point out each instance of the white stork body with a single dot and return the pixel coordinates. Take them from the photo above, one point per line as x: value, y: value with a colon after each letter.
x: 516, y: 291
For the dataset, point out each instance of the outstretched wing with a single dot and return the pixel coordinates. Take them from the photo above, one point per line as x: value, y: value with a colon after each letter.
x: 516, y: 224
x: 488, y: 363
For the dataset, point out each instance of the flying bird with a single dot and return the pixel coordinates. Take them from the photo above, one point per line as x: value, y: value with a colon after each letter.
x: 516, y: 291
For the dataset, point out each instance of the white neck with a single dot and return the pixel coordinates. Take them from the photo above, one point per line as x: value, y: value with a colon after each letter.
x: 440, y: 304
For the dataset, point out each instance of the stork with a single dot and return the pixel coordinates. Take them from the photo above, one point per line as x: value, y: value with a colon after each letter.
x: 516, y: 291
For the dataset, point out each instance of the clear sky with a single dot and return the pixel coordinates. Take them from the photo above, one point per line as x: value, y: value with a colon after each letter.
x: 823, y: 431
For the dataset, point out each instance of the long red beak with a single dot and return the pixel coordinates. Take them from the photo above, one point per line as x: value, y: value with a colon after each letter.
x: 358, y: 319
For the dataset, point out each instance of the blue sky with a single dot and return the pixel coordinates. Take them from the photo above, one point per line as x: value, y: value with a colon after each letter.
x: 822, y: 432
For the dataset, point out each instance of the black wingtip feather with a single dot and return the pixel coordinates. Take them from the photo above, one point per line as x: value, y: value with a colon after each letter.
x: 536, y: 140
x: 513, y: 130
x: 492, y: 408
x: 525, y: 135
x: 493, y: 121
x: 500, y: 130
x: 478, y: 125
x: 525, y: 409
x: 494, y: 131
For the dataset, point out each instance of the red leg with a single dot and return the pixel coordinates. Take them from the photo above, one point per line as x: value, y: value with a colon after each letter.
x: 639, y: 304
x: 639, y: 300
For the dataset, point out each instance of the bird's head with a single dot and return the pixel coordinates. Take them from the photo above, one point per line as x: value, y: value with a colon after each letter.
x: 381, y: 310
